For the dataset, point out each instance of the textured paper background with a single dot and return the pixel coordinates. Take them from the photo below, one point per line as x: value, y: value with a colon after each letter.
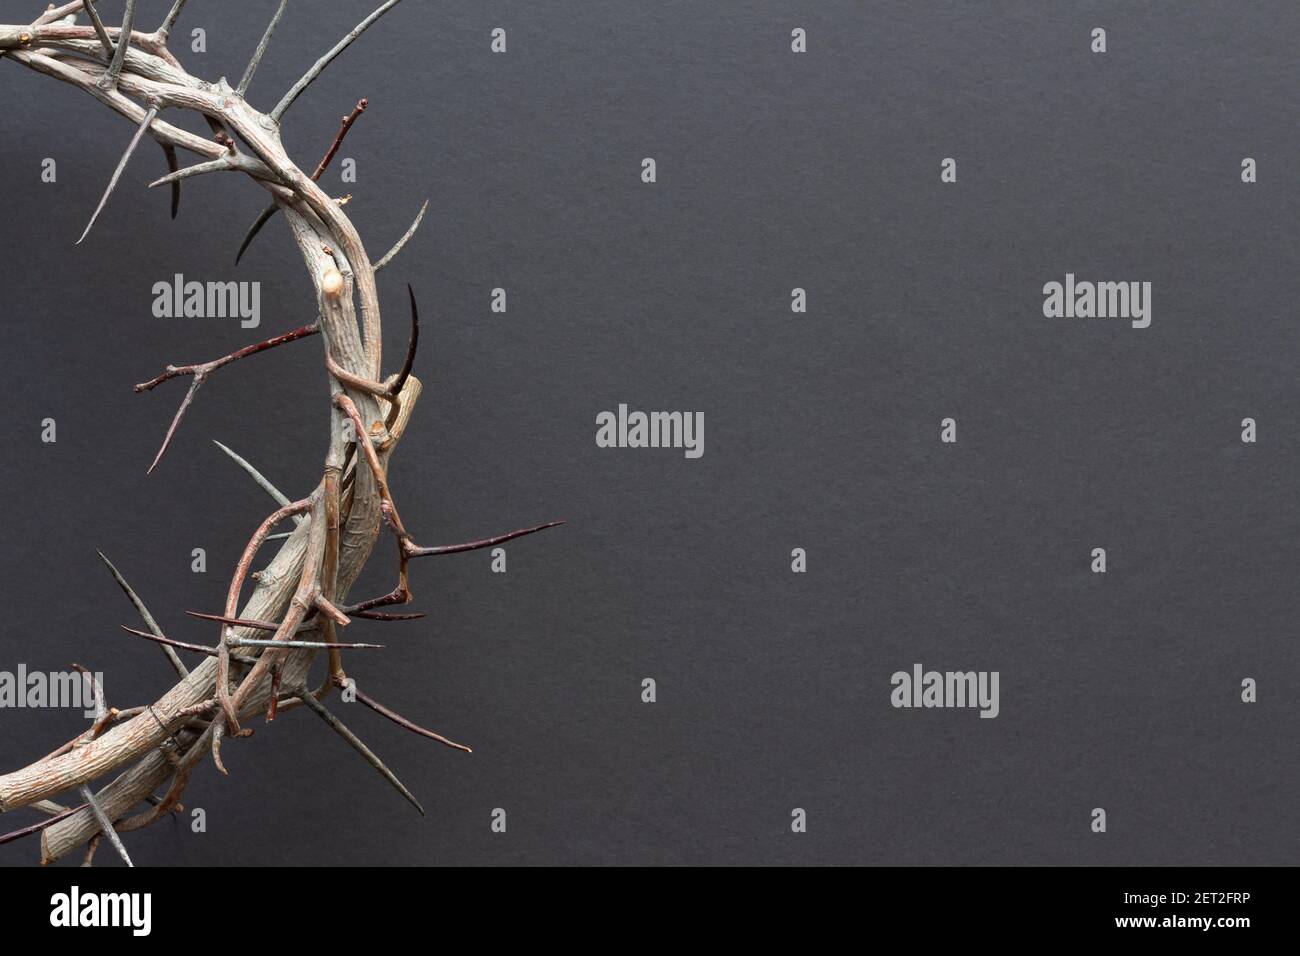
x: 775, y: 170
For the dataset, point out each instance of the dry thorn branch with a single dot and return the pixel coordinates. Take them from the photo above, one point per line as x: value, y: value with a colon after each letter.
x: 301, y: 595
x: 270, y: 210
x: 201, y: 371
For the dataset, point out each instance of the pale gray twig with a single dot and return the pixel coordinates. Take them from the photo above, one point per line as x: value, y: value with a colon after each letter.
x: 388, y: 256
x: 258, y: 477
x: 148, y: 618
x: 261, y: 49
x: 165, y: 28
x: 232, y: 162
x: 105, y: 824
x: 109, y: 80
x: 309, y: 77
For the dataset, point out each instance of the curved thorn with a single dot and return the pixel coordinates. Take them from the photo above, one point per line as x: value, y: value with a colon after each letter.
x: 254, y: 229
x: 411, y: 345
x: 388, y: 256
x: 173, y: 164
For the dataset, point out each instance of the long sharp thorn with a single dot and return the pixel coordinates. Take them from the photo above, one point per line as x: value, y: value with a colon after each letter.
x: 403, y: 722
x: 168, y: 642
x: 485, y: 543
x: 149, y: 116
x: 261, y: 48
x: 106, y: 825
x: 338, y: 727
x: 258, y: 477
x: 292, y: 645
x: 309, y: 77
x: 235, y: 621
x: 382, y: 616
x: 173, y: 164
x: 148, y: 618
x: 411, y: 345
x: 171, y: 429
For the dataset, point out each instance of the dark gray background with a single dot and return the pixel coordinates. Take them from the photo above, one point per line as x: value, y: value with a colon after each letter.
x: 775, y: 171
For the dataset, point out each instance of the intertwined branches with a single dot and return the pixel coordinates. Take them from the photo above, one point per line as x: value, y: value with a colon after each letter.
x: 299, y: 597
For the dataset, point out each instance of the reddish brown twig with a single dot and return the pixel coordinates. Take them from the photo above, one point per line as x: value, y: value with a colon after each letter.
x: 344, y: 126
x: 400, y: 720
x: 483, y: 543
x: 275, y: 694
x: 37, y: 827
x: 202, y: 370
x: 232, y: 601
x: 235, y: 621
x: 159, y: 639
x: 265, y: 216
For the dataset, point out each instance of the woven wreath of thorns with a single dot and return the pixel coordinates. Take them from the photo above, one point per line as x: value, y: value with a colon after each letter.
x: 299, y: 599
